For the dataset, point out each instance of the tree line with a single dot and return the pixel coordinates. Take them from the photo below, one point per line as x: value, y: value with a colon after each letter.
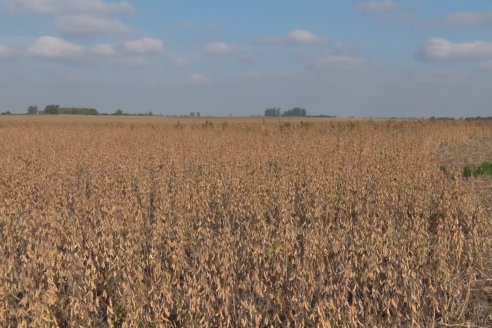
x: 296, y: 111
x: 56, y: 109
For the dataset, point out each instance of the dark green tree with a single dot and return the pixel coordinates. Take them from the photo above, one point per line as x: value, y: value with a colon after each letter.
x: 32, y: 110
x: 77, y: 111
x: 296, y: 111
x: 51, y: 109
x: 272, y: 112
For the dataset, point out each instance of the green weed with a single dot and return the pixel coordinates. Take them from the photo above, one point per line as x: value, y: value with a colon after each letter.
x: 484, y: 169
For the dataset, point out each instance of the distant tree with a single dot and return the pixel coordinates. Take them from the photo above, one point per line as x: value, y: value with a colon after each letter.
x: 198, y: 114
x: 272, y: 112
x: 92, y: 111
x: 77, y: 111
x: 296, y: 111
x: 488, y: 118
x: 51, y: 109
x: 32, y: 110
x: 192, y: 114
x: 118, y: 112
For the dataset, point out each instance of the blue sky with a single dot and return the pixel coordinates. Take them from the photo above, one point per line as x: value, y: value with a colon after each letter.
x: 347, y: 58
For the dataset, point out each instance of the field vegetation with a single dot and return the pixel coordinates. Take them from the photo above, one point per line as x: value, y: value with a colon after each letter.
x: 153, y: 222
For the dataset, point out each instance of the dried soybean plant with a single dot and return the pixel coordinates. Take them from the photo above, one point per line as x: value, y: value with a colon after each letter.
x: 244, y: 223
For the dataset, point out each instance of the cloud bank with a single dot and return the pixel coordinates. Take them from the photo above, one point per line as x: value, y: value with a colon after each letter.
x: 335, y: 62
x: 55, y: 48
x: 297, y: 36
x: 218, y: 48
x: 54, y: 7
x: 144, y: 46
x: 50, y: 47
x: 89, y: 26
x: 440, y: 49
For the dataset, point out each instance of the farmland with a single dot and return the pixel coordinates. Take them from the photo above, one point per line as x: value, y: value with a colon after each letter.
x: 160, y: 222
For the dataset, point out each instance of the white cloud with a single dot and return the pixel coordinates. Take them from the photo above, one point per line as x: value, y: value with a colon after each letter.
x: 328, y: 61
x: 297, y: 36
x: 105, y: 50
x: 5, y: 52
x: 218, y: 48
x: 198, y: 79
x: 303, y: 36
x: 144, y: 46
x: 377, y: 7
x: 439, y: 49
x: 465, y: 19
x: 132, y: 53
x: 50, y: 47
x: 341, y: 61
x: 85, y: 25
x: 53, y: 7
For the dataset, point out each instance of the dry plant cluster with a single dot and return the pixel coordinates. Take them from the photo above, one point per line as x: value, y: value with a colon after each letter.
x: 238, y: 223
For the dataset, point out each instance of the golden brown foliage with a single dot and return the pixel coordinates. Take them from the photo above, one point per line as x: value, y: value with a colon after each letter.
x: 154, y: 222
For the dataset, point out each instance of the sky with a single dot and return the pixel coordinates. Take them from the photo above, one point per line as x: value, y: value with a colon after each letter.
x: 347, y: 58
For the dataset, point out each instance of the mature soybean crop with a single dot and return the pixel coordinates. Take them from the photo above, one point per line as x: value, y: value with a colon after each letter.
x: 238, y: 223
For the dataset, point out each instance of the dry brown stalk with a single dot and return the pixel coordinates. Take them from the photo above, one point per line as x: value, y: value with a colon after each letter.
x: 124, y: 222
